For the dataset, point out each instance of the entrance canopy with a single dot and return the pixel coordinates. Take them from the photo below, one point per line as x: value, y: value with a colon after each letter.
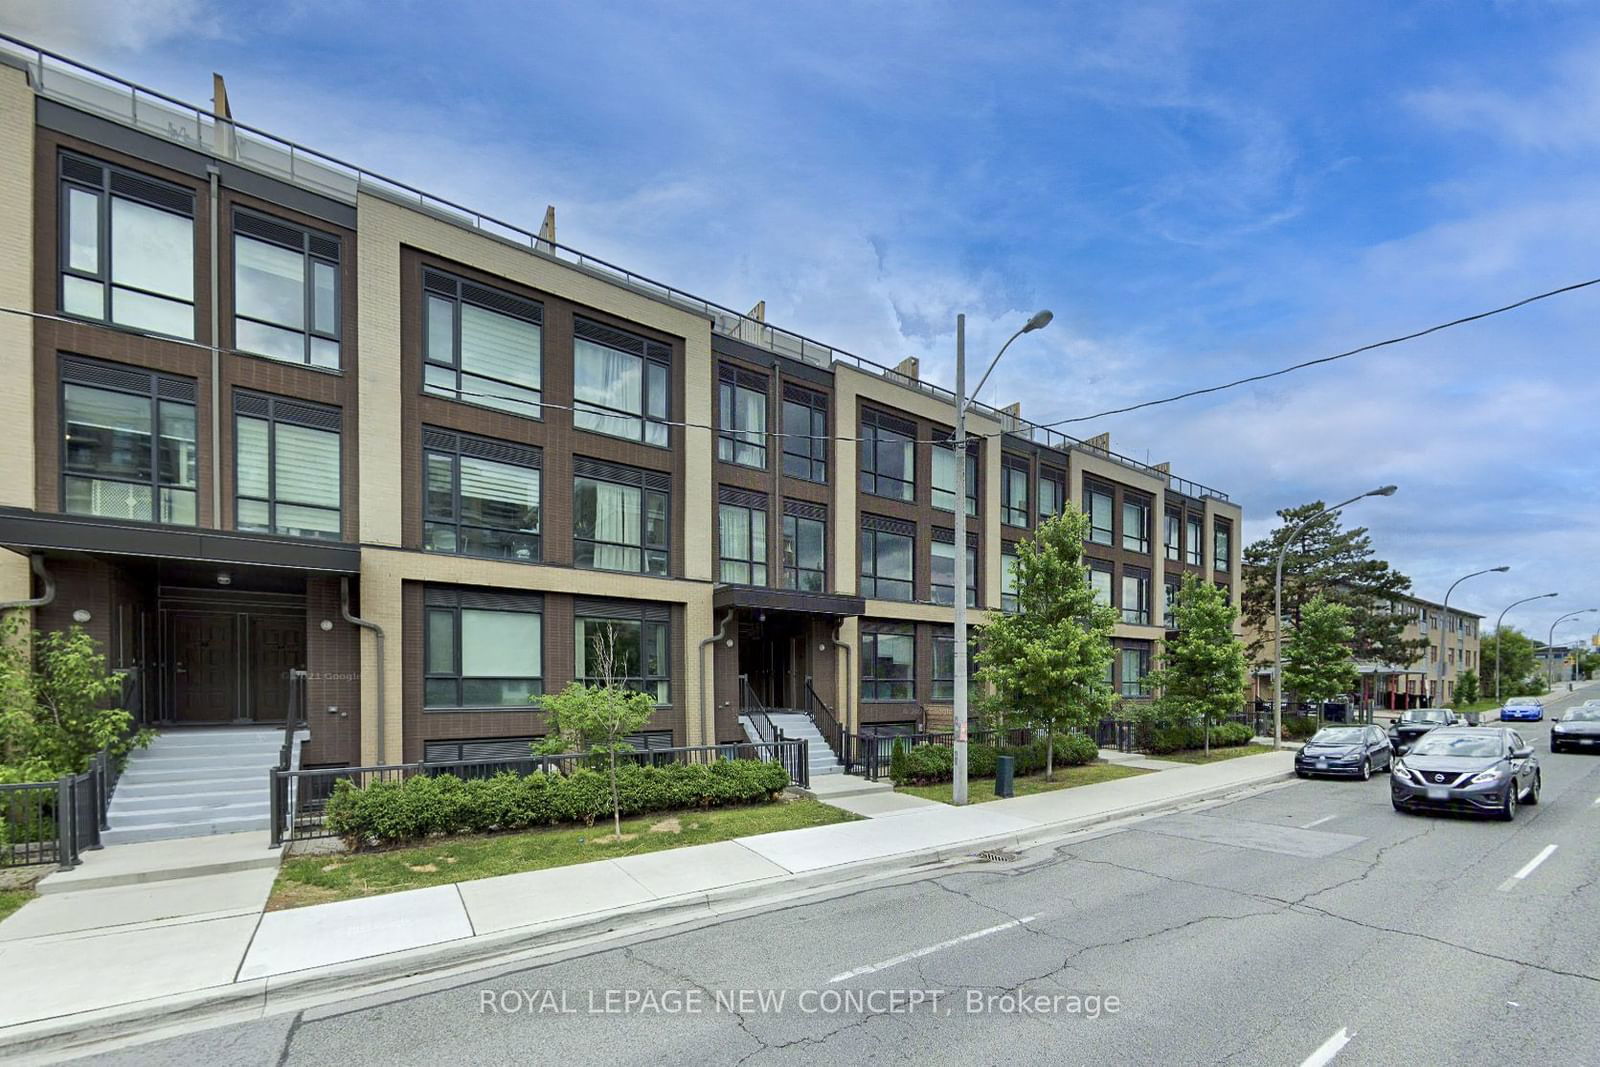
x: 831, y: 605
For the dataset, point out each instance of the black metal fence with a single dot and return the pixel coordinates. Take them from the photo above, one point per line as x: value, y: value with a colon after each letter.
x: 56, y: 822
x: 300, y: 797
x: 869, y: 755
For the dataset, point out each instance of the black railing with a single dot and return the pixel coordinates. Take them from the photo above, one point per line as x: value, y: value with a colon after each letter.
x: 300, y: 797
x: 56, y: 822
x: 823, y: 718
x: 751, y: 707
x: 870, y: 754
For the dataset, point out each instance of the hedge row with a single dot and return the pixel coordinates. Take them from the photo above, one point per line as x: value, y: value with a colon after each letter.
x: 926, y: 764
x: 1180, y: 737
x: 386, y: 813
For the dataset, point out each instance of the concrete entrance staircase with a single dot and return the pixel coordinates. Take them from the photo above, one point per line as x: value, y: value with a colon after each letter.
x: 194, y: 782
x: 796, y: 725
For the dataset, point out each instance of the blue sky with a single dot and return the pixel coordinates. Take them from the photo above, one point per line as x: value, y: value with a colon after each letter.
x: 1198, y: 190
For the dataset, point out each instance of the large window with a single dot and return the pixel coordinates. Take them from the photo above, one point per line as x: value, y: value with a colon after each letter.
x: 619, y: 518
x: 1221, y: 545
x: 805, y: 434
x: 633, y: 640
x: 944, y: 478
x: 886, y: 569
x: 942, y: 577
x: 127, y: 248
x: 481, y: 497
x: 888, y: 663
x: 1170, y: 616
x: 1008, y: 577
x: 1014, y: 491
x: 128, y: 443
x: 1135, y: 665
x: 1171, y: 525
x: 1194, y: 541
x: 286, y: 465
x: 805, y: 552
x: 482, y: 346
x: 741, y: 418
x: 1052, y: 493
x: 741, y: 540
x: 888, y: 459
x: 1135, y: 596
x: 1135, y: 524
x: 620, y: 383
x: 1098, y: 503
x: 482, y: 650
x: 1100, y: 582
x: 944, y: 667
x: 285, y: 291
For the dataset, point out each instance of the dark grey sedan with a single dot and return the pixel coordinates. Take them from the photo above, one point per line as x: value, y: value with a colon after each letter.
x: 1347, y: 751
x: 1577, y: 731
x: 1473, y: 769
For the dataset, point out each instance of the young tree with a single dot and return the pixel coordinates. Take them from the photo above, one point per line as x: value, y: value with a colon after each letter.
x: 1339, y: 565
x: 1467, y: 688
x: 600, y: 716
x: 1203, y: 672
x: 1515, y: 663
x: 1317, y: 662
x: 1045, y: 664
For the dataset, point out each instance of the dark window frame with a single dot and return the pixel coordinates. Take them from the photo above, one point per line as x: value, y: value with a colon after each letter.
x: 1172, y: 534
x: 942, y: 687
x: 453, y: 446
x: 652, y: 355
x: 1146, y: 506
x: 1092, y: 489
x: 453, y: 603
x: 1100, y: 566
x: 934, y: 587
x: 1133, y: 689
x: 810, y: 451
x: 758, y: 546
x: 875, y: 425
x: 1221, y: 531
x: 283, y: 411
x: 628, y: 615
x: 1008, y: 601
x: 731, y: 381
x: 946, y: 446
x: 1015, y: 471
x: 882, y: 690
x: 650, y: 484
x: 309, y: 251
x: 871, y: 576
x: 1194, y: 532
x: 1057, y: 480
x: 461, y: 292
x: 1139, y: 614
x: 793, y: 571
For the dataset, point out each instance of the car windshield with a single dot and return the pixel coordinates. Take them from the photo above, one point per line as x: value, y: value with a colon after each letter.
x: 1584, y: 714
x: 1437, y: 744
x: 1347, y: 735
x: 1425, y: 715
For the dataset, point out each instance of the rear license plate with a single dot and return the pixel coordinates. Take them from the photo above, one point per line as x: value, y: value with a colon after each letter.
x: 1322, y: 764
x: 1438, y: 793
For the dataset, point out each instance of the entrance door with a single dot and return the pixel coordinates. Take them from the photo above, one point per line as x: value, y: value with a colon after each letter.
x: 204, y: 667
x: 277, y: 646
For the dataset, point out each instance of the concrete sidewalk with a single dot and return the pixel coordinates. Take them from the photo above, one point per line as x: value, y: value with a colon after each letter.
x: 94, y: 960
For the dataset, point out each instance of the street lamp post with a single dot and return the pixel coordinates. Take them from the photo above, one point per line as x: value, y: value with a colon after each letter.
x: 1039, y: 321
x: 1550, y: 643
x: 1277, y: 607
x: 1444, y: 622
x: 1501, y: 622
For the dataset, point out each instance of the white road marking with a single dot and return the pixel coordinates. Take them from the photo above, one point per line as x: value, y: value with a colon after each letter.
x: 1596, y: 803
x: 1527, y: 869
x: 930, y: 950
x: 1319, y: 822
x: 1328, y: 1049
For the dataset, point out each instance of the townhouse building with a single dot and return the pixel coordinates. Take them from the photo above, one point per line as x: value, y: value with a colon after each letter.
x: 267, y: 411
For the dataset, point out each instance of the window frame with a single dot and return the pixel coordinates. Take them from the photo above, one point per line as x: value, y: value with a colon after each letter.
x: 791, y: 535
x: 652, y: 355
x: 758, y: 546
x: 1221, y: 538
x: 1008, y: 576
x: 1097, y: 566
x: 812, y: 449
x: 105, y: 251
x: 875, y: 532
x: 1172, y: 534
x: 627, y: 615
x: 310, y: 257
x: 1194, y: 530
x: 1171, y: 587
x: 442, y: 605
x: 942, y: 688
x: 649, y: 484
x: 161, y: 389
x: 1143, y: 506
x: 1091, y: 490
x: 731, y: 382
x: 460, y: 293
x: 1015, y: 471
x: 875, y: 425
x: 1057, y: 481
x: 972, y: 569
x: 946, y: 446
x: 471, y: 446
x: 872, y: 683
x: 1139, y: 614
x: 1139, y: 688
x: 283, y: 411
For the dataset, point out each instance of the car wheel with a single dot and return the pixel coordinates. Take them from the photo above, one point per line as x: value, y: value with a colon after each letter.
x: 1508, y: 810
x: 1401, y: 808
x: 1533, y: 793
x: 1366, y: 770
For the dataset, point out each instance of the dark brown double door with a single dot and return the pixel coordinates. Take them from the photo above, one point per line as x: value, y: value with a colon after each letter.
x: 231, y: 667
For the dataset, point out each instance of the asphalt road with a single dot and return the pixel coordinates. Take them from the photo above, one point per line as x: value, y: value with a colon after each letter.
x: 1308, y: 923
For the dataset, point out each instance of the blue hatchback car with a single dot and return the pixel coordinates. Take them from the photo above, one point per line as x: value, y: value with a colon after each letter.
x: 1522, y: 711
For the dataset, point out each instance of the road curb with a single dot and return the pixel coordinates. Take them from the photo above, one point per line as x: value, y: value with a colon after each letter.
x: 256, y: 998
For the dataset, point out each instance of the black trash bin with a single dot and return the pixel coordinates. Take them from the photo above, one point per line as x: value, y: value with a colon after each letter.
x: 1004, y: 772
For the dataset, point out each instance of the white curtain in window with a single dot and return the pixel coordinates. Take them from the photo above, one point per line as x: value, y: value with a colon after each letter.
x: 251, y: 448
x: 607, y: 377
x: 616, y: 520
x: 735, y: 527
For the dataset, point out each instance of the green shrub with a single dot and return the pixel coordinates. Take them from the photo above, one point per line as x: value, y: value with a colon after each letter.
x: 424, y: 805
x: 1299, y: 727
x: 1230, y: 734
x: 897, y: 759
x: 927, y: 764
x: 1162, y: 738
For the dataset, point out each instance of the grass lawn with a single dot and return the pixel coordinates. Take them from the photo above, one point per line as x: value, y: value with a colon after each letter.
x: 343, y: 876
x: 981, y: 790
x: 12, y: 899
x: 1216, y: 754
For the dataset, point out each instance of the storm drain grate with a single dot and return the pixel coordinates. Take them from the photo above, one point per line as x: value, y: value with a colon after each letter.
x: 997, y: 855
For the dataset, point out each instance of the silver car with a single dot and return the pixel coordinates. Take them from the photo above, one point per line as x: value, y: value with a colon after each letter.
x: 1484, y: 770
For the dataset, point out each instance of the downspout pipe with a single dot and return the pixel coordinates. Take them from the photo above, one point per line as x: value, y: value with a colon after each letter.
x: 213, y: 173
x: 708, y: 683
x: 377, y: 632
x: 35, y: 564
x: 847, y: 723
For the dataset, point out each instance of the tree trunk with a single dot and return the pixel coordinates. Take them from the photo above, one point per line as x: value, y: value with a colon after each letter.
x: 616, y: 805
x: 1050, y: 757
x: 1208, y: 735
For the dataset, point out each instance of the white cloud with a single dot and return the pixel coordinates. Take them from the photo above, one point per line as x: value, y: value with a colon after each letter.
x: 1563, y: 115
x: 93, y: 27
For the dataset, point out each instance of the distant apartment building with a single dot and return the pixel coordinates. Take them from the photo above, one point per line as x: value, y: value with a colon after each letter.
x: 269, y: 412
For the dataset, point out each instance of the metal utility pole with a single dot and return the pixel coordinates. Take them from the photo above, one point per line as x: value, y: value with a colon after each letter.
x: 1497, y: 626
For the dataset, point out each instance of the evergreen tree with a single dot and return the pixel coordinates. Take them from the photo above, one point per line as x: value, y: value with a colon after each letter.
x: 1203, y: 669
x: 1045, y: 664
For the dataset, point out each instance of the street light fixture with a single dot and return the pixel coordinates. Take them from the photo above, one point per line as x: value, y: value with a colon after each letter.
x: 1040, y: 319
x: 1444, y: 621
x: 1277, y: 606
x: 1501, y: 622
x: 1550, y: 643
